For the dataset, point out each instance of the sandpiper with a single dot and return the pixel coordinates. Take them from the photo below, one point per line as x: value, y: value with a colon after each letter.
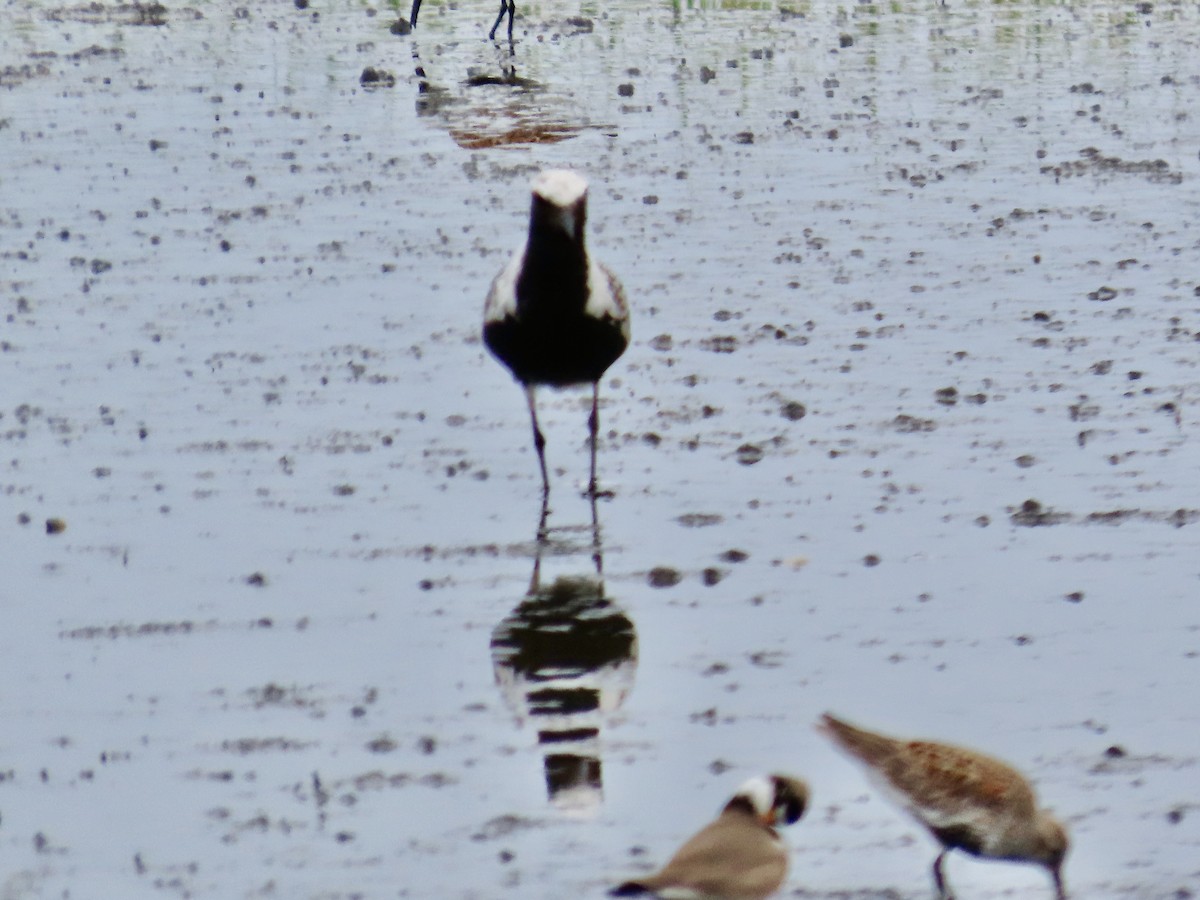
x: 737, y: 856
x: 554, y: 316
x: 968, y: 800
x: 506, y: 6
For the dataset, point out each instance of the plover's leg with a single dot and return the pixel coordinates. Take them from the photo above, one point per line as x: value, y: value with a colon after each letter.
x: 416, y: 9
x: 540, y: 540
x: 539, y: 441
x: 597, y: 547
x: 593, y: 430
x: 543, y: 529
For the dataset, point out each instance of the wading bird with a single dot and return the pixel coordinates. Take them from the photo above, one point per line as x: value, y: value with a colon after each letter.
x: 554, y: 316
x: 967, y: 800
x: 506, y: 6
x: 737, y: 856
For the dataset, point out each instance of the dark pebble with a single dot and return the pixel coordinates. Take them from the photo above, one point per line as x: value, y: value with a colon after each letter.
x: 663, y: 577
x: 748, y: 454
x: 794, y: 411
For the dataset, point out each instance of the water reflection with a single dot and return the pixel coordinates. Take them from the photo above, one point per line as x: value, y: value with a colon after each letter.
x: 492, y: 104
x: 565, y: 660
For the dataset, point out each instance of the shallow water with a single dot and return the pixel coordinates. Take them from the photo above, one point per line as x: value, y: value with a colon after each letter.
x: 902, y: 434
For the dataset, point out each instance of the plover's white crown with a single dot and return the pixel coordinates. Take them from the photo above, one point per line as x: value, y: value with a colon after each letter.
x: 566, y: 193
x: 561, y: 187
x: 760, y: 791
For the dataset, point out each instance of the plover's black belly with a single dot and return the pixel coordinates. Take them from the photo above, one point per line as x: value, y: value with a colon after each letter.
x: 556, y: 351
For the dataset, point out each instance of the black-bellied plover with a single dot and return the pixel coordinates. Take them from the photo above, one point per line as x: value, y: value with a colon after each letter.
x: 554, y: 316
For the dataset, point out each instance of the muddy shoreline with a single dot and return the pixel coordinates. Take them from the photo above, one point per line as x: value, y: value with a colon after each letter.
x: 903, y: 433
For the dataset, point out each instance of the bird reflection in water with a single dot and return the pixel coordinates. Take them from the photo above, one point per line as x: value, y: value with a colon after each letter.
x: 565, y: 660
x: 494, y: 105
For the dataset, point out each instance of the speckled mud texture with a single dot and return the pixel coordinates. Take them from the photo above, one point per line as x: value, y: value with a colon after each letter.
x: 907, y: 431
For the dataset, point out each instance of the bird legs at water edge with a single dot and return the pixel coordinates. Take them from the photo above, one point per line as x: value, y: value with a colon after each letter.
x: 593, y: 431
x: 945, y: 893
x: 542, y: 541
x: 597, y: 547
x: 506, y: 6
x: 940, y: 879
x: 539, y: 442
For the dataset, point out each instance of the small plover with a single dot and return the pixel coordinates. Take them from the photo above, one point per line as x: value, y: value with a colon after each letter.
x: 737, y: 856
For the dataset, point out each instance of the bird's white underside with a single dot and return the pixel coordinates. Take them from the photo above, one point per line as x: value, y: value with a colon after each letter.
x: 981, y: 820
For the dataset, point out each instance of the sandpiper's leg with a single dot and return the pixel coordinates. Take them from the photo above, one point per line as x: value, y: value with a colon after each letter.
x: 539, y: 441
x: 412, y: 20
x: 940, y: 879
x: 1060, y: 892
x: 593, y: 430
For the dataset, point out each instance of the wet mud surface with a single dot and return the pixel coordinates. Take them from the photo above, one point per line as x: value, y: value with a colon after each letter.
x: 904, y: 433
